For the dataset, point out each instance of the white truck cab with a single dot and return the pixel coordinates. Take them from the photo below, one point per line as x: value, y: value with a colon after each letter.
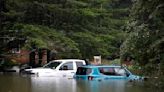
x: 58, y: 68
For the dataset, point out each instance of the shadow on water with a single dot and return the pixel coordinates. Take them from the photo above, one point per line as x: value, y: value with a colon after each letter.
x: 17, y: 83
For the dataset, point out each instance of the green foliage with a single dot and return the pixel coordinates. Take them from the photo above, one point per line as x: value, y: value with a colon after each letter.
x: 9, y: 63
x: 87, y: 43
x: 44, y: 37
x: 71, y: 28
x: 116, y: 62
x: 98, y: 44
x: 145, y: 40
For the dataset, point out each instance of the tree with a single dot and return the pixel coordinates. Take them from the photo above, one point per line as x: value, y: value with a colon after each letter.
x: 145, y: 39
x: 96, y: 20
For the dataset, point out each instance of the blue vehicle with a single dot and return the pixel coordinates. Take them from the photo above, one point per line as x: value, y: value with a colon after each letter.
x: 104, y: 72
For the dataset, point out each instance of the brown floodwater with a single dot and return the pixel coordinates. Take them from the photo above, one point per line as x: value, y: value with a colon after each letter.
x: 18, y: 83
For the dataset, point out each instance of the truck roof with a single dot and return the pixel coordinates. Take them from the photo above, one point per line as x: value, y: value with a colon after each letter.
x: 67, y: 60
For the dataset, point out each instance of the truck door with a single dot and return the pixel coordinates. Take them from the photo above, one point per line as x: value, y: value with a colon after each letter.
x: 67, y: 69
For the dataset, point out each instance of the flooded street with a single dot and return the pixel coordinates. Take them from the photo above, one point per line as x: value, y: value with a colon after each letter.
x: 17, y: 83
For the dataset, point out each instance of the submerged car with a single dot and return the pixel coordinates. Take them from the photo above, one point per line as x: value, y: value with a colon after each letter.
x: 104, y: 72
x: 60, y: 68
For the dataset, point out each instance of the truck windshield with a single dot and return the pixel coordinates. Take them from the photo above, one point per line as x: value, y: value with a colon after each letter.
x: 52, y: 65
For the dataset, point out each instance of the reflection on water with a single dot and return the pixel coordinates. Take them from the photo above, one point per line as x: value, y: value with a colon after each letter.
x: 52, y: 84
x: 16, y: 83
x: 102, y: 86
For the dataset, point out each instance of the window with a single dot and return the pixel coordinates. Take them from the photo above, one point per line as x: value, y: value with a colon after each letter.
x: 83, y: 71
x: 107, y: 70
x: 120, y: 71
x: 15, y: 50
x: 67, y: 66
x: 79, y: 64
x: 52, y: 65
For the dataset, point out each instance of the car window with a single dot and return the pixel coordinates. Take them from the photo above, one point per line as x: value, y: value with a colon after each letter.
x: 67, y: 66
x: 107, y: 70
x: 52, y: 65
x: 79, y: 64
x: 120, y: 71
x: 83, y: 71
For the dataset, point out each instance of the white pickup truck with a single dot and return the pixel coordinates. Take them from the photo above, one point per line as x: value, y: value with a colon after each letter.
x: 58, y: 68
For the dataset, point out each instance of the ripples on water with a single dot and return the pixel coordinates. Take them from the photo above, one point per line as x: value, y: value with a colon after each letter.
x: 17, y: 83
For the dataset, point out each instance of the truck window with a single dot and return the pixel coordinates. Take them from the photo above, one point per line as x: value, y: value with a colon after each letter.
x: 78, y: 64
x: 52, y: 65
x: 67, y: 66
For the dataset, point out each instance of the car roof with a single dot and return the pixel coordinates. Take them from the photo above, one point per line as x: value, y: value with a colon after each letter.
x: 99, y: 66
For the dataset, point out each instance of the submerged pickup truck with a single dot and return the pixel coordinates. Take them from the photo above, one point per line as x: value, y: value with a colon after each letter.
x: 58, y: 68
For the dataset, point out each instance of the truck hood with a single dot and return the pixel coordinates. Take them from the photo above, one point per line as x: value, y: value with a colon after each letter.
x: 39, y: 70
